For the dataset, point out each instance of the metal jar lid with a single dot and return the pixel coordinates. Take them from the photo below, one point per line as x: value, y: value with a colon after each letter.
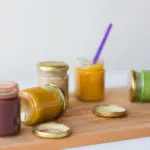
x: 110, y: 111
x: 132, y: 85
x: 51, y: 130
x: 51, y: 66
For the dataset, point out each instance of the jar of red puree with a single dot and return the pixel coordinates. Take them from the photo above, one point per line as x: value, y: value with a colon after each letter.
x: 9, y: 109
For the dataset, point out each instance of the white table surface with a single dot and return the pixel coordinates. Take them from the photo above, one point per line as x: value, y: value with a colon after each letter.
x: 113, y: 79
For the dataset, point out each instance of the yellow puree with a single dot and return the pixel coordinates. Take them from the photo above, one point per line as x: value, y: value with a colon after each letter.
x: 90, y: 83
x: 39, y: 105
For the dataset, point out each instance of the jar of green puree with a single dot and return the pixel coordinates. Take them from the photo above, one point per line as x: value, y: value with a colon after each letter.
x: 140, y: 85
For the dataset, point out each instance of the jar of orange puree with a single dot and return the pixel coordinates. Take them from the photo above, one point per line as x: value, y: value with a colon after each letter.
x: 90, y: 81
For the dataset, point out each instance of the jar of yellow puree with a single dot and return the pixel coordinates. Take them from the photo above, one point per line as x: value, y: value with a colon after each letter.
x: 90, y: 81
x: 40, y: 104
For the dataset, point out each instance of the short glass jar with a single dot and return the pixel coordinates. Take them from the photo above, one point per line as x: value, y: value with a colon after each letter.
x: 9, y: 109
x: 54, y: 72
x: 140, y: 86
x: 90, y: 81
x: 41, y: 104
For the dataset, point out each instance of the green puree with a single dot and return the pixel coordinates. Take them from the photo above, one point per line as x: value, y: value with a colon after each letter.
x: 145, y: 86
x: 138, y: 86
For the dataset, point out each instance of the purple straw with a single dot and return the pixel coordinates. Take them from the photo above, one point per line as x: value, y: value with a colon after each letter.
x: 96, y: 58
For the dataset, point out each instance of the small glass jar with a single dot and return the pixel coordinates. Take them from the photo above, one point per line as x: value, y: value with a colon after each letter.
x: 40, y: 104
x: 9, y: 109
x: 140, y: 86
x: 54, y: 72
x: 90, y: 85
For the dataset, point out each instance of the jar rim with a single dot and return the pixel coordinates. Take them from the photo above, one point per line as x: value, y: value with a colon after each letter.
x: 87, y: 65
x: 28, y: 100
x: 8, y: 89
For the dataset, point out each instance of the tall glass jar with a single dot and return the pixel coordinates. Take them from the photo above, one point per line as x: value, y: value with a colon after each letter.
x: 9, y: 109
x: 54, y: 72
x: 90, y: 81
x: 140, y: 85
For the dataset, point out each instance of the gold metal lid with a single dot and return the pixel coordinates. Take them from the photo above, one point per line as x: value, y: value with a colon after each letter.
x: 132, y: 85
x: 51, y: 130
x: 60, y: 95
x: 110, y: 111
x: 50, y: 66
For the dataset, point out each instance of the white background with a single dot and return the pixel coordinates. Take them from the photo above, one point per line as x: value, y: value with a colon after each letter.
x: 37, y: 30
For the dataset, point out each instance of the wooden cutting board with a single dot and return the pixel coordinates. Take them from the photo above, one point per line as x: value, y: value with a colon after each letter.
x: 87, y: 128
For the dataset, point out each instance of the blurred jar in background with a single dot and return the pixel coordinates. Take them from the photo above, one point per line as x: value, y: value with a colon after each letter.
x: 54, y: 72
x: 90, y: 85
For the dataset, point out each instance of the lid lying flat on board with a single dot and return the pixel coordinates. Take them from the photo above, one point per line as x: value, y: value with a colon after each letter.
x: 50, y: 66
x: 132, y: 85
x: 8, y: 89
x: 51, y: 130
x: 109, y: 111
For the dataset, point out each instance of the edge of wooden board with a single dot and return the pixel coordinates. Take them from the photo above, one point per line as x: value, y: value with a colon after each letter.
x: 90, y: 140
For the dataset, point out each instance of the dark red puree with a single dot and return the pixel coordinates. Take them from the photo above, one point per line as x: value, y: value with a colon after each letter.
x: 9, y: 109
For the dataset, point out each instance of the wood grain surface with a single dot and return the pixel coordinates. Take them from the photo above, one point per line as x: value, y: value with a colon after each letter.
x: 87, y: 128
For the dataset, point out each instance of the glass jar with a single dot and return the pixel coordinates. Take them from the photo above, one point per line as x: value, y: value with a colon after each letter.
x: 9, y: 109
x: 40, y: 104
x: 140, y: 86
x: 90, y: 81
x: 54, y: 72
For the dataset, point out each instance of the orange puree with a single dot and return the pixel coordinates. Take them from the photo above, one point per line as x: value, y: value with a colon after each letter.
x: 90, y: 83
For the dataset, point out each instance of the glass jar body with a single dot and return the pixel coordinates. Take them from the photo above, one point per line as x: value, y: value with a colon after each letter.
x: 142, y: 80
x: 60, y: 78
x: 9, y: 109
x: 90, y: 85
x: 41, y: 104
